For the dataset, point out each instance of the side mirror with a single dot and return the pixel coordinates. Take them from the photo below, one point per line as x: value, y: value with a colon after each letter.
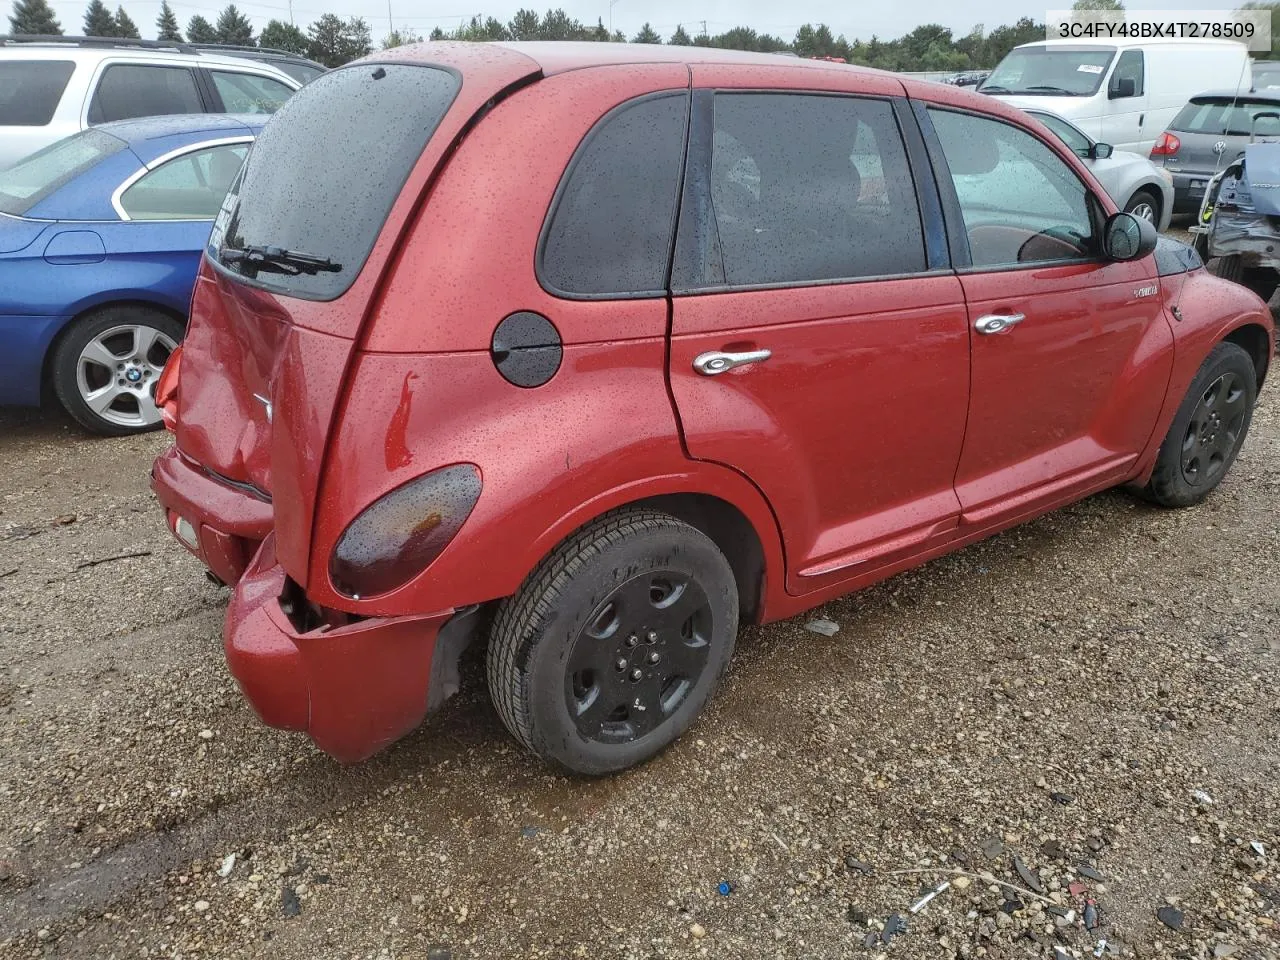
x: 1126, y: 237
x: 1123, y: 87
x: 1100, y: 151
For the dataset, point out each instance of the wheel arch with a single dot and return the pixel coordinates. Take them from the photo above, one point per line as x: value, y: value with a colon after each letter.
x: 1152, y: 188
x: 1255, y: 341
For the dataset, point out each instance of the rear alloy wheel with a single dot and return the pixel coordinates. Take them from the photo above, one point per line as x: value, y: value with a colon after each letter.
x: 614, y: 644
x: 1208, y: 430
x: 106, y: 366
x: 1143, y: 204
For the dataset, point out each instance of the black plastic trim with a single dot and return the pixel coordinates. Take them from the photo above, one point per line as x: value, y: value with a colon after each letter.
x: 952, y: 216
x: 928, y: 200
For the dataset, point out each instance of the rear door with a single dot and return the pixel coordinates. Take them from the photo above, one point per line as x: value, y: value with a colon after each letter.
x: 124, y: 90
x: 819, y: 342
x: 1071, y: 353
x: 242, y: 91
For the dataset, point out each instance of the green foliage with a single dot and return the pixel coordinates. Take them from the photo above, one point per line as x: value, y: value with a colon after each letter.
x: 647, y: 35
x: 200, y: 30
x: 126, y: 27
x: 167, y: 23
x: 98, y: 21
x: 397, y: 38
x: 335, y: 41
x: 680, y: 38
x: 1097, y: 5
x: 284, y: 36
x: 34, y: 17
x: 233, y: 27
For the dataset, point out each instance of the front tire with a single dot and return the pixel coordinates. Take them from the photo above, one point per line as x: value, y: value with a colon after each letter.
x: 106, y: 365
x: 1207, y: 431
x: 615, y: 643
x: 1144, y: 204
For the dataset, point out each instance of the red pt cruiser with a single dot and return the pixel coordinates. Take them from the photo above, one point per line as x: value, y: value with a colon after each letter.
x: 593, y: 352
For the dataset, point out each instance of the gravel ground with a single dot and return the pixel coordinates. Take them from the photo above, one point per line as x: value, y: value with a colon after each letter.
x: 1085, y: 707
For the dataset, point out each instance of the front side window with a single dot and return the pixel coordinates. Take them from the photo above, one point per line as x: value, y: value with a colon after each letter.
x: 1068, y: 134
x: 249, y: 93
x: 132, y: 90
x: 189, y: 187
x: 610, y: 230
x: 30, y: 90
x: 1055, y: 71
x: 808, y: 188
x: 29, y: 181
x: 1020, y: 202
x: 1127, y: 80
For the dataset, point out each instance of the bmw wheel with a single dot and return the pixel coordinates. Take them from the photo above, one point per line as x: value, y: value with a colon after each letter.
x: 106, y: 365
x: 615, y: 643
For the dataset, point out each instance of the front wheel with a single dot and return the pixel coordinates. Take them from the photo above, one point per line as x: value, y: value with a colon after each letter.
x: 615, y: 642
x: 1144, y: 204
x: 106, y: 365
x: 1208, y: 430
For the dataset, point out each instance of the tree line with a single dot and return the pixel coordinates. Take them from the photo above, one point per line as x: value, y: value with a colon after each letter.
x: 333, y: 41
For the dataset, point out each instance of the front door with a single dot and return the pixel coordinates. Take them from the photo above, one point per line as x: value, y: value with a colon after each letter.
x: 1070, y: 351
x: 813, y: 349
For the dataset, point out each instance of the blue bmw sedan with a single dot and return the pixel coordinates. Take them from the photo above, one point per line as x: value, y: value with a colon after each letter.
x: 101, y: 235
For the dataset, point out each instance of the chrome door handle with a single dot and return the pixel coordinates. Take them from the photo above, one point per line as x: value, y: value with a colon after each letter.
x: 715, y: 361
x: 998, y: 322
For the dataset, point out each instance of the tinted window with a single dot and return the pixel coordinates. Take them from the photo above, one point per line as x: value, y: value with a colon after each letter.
x: 189, y: 187
x: 610, y: 230
x: 249, y: 93
x: 1129, y: 67
x: 1224, y: 116
x: 1021, y: 203
x: 127, y: 91
x: 302, y: 72
x: 811, y: 188
x: 29, y: 181
x: 325, y: 171
x: 30, y: 91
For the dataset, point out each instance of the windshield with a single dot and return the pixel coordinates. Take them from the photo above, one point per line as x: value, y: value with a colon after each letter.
x: 1050, y: 71
x: 323, y: 174
x: 29, y: 181
x: 1227, y: 116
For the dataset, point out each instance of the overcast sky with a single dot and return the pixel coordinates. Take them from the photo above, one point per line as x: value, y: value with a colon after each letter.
x: 854, y: 20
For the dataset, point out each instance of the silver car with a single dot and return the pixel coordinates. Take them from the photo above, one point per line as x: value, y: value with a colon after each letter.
x: 1136, y: 184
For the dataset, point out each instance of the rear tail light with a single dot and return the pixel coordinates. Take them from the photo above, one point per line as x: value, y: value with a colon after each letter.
x: 1166, y: 146
x: 402, y: 532
x: 167, y: 390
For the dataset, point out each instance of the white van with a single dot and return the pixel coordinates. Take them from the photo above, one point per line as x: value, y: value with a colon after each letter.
x: 1121, y: 92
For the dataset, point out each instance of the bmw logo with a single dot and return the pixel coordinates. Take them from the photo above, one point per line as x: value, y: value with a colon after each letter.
x: 133, y: 375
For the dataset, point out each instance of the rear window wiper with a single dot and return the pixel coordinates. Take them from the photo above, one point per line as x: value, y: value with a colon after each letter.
x: 279, y: 260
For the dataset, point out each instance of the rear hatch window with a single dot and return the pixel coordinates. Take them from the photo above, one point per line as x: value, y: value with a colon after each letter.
x: 29, y: 181
x: 1228, y: 116
x: 30, y: 90
x: 305, y: 212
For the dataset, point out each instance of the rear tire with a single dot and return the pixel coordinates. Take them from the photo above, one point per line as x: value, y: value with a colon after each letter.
x: 615, y: 642
x: 106, y: 364
x: 1207, y: 431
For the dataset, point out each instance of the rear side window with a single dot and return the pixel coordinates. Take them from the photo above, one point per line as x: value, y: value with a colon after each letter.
x: 32, y: 179
x: 1222, y: 116
x: 30, y: 90
x: 249, y: 93
x: 809, y: 188
x: 127, y: 90
x: 189, y: 187
x: 324, y: 173
x: 612, y: 223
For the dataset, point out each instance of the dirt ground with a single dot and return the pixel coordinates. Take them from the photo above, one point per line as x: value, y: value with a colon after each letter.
x: 1092, y: 697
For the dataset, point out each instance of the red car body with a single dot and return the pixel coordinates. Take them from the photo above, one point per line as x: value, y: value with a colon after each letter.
x: 883, y: 432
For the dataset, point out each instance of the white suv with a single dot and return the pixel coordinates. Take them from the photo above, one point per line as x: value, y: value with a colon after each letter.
x: 53, y: 87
